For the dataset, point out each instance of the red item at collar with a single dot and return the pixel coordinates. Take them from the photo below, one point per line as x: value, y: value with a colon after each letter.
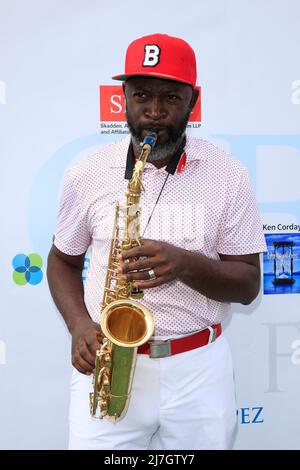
x: 181, y: 164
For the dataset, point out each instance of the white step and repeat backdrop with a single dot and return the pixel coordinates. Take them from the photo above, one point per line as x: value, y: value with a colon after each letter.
x: 55, y: 57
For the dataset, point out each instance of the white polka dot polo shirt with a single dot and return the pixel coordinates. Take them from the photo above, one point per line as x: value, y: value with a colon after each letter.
x: 208, y: 208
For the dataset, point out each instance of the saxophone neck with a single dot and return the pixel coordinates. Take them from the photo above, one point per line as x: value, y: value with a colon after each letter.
x: 135, y: 183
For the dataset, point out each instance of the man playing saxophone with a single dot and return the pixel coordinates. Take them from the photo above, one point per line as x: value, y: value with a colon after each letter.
x: 201, y: 236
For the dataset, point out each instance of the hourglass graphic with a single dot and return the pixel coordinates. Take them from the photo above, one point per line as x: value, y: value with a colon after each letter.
x: 283, y: 263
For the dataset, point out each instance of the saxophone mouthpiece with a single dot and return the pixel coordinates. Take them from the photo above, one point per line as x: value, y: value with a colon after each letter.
x: 150, y: 139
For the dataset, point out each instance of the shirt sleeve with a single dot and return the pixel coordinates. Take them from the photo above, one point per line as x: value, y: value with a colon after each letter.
x: 241, y: 232
x: 72, y: 235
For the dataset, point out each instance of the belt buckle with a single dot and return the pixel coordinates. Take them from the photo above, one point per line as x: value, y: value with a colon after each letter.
x: 212, y: 334
x: 159, y: 349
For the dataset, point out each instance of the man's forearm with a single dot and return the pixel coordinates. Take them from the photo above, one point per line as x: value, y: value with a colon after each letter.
x: 224, y: 281
x: 66, y: 288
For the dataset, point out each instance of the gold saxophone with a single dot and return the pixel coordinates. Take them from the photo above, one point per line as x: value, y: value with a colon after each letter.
x: 125, y: 323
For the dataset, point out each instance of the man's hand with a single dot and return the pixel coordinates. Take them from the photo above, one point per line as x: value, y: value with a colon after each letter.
x: 86, y: 339
x: 161, y: 257
x: 227, y: 279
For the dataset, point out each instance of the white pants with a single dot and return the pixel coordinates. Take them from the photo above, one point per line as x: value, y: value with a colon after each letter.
x: 186, y: 401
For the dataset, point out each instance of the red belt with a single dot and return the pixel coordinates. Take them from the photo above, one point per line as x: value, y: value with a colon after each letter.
x: 157, y: 349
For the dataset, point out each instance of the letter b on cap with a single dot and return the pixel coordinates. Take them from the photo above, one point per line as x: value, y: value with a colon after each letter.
x: 151, y: 58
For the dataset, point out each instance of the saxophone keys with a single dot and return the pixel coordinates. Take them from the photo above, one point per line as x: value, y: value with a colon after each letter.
x: 107, y: 361
x: 106, y: 383
x: 103, y: 407
x: 93, y: 404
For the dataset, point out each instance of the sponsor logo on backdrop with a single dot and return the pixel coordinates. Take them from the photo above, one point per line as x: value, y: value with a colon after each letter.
x: 295, y: 98
x: 112, y: 110
x: 295, y: 357
x: 250, y: 415
x: 27, y: 269
x: 282, y: 262
x: 2, y: 92
x: 278, y: 342
x: 2, y: 353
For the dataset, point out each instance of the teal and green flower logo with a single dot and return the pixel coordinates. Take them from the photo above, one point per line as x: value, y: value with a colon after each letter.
x: 27, y: 269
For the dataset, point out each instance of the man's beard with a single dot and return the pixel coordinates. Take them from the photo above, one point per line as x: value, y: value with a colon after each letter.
x: 160, y: 151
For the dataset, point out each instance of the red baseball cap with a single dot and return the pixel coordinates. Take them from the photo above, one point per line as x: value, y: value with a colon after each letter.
x: 161, y: 56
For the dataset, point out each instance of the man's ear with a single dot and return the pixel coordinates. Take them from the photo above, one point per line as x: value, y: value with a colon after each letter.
x: 194, y: 98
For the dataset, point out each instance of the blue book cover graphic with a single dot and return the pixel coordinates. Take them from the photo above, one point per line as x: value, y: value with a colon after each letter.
x: 281, y: 264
